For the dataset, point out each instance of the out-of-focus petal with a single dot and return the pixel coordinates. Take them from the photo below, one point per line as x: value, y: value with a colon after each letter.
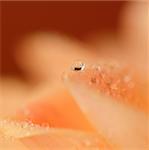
x: 57, y: 110
x: 30, y: 136
x: 107, y: 95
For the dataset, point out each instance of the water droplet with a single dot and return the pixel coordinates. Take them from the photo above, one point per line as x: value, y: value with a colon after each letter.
x: 127, y: 78
x: 78, y: 66
x: 131, y: 85
x: 93, y: 80
x: 98, y: 68
x: 87, y: 142
x: 114, y: 87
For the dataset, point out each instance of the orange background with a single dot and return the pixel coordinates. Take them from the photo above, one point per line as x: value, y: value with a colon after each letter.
x: 76, y: 19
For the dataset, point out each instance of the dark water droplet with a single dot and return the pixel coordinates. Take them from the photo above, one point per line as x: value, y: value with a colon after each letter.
x: 78, y: 66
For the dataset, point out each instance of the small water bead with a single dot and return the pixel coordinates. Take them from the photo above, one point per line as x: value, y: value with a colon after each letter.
x: 97, y: 68
x: 45, y: 125
x: 93, y: 80
x: 106, y: 77
x: 78, y: 66
x: 128, y: 81
x: 127, y: 78
x: 131, y: 85
x: 89, y: 142
x: 114, y: 86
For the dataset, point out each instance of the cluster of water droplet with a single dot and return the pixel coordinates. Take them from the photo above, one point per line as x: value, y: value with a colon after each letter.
x: 112, y: 80
x: 19, y: 129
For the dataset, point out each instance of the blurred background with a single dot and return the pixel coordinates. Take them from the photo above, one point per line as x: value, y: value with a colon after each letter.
x: 75, y: 19
x: 39, y: 40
